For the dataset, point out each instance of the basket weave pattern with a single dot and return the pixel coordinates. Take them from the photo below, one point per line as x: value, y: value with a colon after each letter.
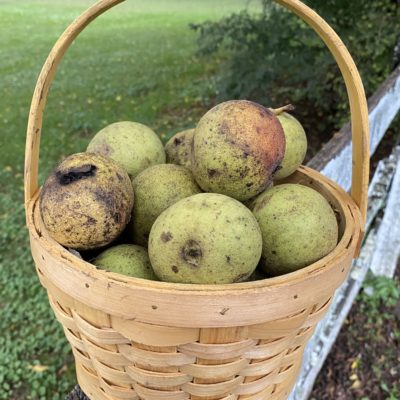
x: 251, y: 362
x: 229, y: 345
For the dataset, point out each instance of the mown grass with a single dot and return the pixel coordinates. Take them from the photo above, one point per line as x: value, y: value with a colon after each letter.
x: 136, y: 62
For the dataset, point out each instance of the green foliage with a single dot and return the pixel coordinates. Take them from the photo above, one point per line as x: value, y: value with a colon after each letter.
x: 35, y: 360
x: 379, y: 292
x: 377, y: 304
x: 275, y: 58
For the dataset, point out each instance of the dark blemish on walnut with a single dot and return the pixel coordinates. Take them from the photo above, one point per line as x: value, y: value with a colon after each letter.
x: 87, y: 285
x: 106, y: 229
x: 261, y: 204
x: 89, y: 221
x: 213, y: 172
x: 120, y: 177
x: 191, y: 253
x: 224, y: 129
x: 76, y: 174
x: 224, y: 311
x: 273, y: 252
x: 154, y: 307
x: 107, y: 198
x: 166, y: 236
x: 177, y: 141
x: 175, y: 269
x: 228, y: 259
x: 295, y: 296
x: 104, y: 149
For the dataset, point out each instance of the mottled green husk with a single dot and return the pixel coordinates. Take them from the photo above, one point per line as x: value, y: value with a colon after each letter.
x: 298, y: 227
x: 178, y: 149
x: 126, y: 259
x: 295, y: 148
x: 86, y: 202
x: 205, y: 238
x: 133, y: 145
x: 157, y: 188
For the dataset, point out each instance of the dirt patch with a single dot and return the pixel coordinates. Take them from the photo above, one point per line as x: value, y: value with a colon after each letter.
x: 364, y: 362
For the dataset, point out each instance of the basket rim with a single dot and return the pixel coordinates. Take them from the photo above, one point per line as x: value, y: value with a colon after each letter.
x: 349, y: 210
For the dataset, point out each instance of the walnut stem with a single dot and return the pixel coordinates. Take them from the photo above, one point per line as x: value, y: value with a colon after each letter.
x: 280, y: 110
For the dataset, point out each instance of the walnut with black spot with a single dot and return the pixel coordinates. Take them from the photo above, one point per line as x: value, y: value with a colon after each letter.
x: 86, y: 202
x: 178, y: 149
x: 206, y: 238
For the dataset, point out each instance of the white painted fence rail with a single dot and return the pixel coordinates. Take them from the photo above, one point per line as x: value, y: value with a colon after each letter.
x: 381, y: 247
x: 387, y: 251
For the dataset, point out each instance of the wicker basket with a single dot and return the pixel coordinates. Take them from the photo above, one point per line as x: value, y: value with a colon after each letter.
x: 139, y: 339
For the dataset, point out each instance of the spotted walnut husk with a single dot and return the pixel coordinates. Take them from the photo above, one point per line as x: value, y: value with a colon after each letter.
x: 156, y: 189
x: 132, y: 145
x: 86, y: 201
x: 178, y: 149
x: 205, y: 238
x: 298, y: 227
x: 237, y: 146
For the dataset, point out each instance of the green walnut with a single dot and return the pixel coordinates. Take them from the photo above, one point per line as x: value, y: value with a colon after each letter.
x: 296, y: 143
x: 157, y: 188
x: 298, y: 227
x: 133, y: 145
x: 237, y: 146
x: 207, y: 238
x: 178, y: 149
x: 86, y: 202
x: 126, y: 259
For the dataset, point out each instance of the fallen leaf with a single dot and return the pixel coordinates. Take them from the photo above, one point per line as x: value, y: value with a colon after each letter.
x: 39, y: 368
x: 354, y: 377
x: 356, y: 384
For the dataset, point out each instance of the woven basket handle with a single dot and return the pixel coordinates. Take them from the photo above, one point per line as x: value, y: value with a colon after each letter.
x: 355, y: 90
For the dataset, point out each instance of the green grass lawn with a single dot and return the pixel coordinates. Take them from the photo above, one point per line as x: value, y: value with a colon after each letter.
x: 136, y: 62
